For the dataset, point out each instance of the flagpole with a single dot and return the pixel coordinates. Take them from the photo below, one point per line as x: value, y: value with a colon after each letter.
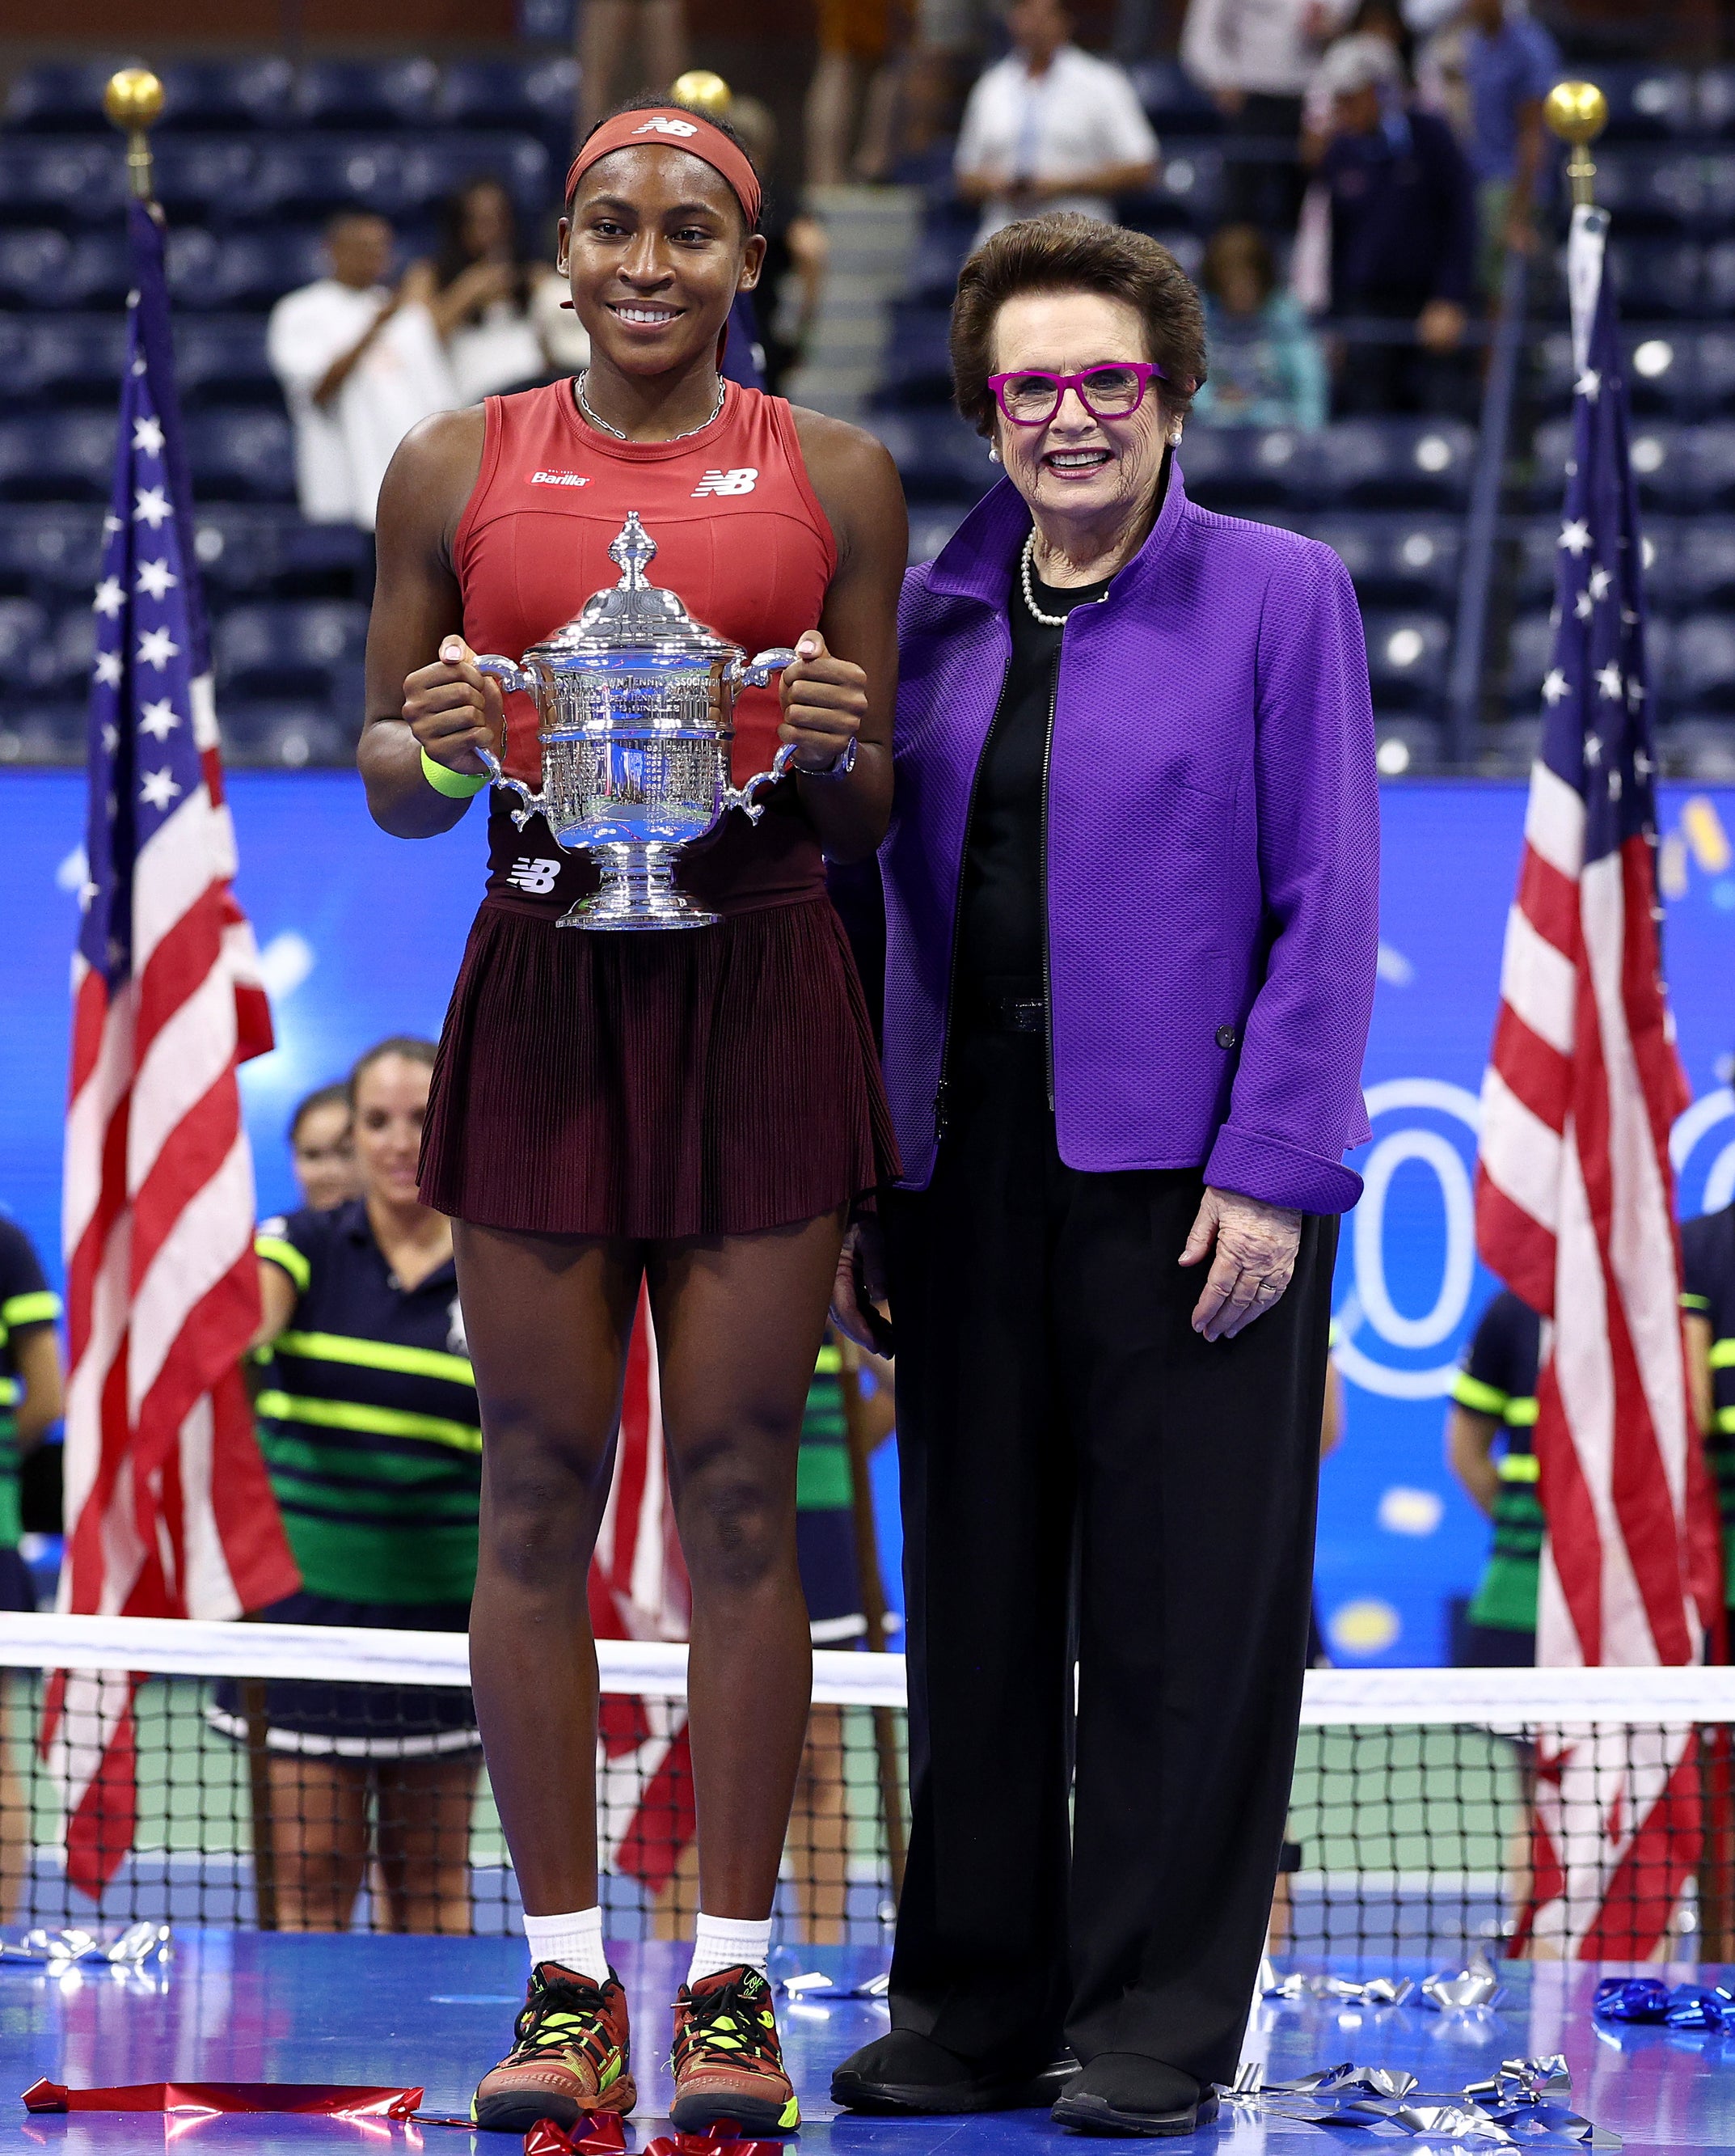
x: 133, y: 101
x: 1578, y: 112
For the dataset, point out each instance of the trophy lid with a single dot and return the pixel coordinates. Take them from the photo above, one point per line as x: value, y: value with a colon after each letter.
x: 632, y: 619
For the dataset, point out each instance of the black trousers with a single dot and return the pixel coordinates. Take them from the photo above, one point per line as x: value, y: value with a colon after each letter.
x: 1083, y: 1473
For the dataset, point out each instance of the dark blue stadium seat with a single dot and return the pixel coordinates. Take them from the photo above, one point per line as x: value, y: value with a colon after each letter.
x: 1190, y: 182
x: 1407, y: 746
x: 282, y: 735
x: 18, y: 369
x: 918, y: 368
x: 73, y: 647
x: 39, y: 732
x: 27, y: 656
x: 309, y: 176
x: 505, y: 92
x: 78, y: 358
x: 213, y: 271
x: 1716, y: 280
x: 1699, y: 748
x: 1669, y: 191
x: 1701, y: 665
x: 51, y: 94
x: 1399, y: 463
x: 201, y: 177
x: 434, y: 165
x: 250, y: 93
x: 938, y: 456
x: 1660, y: 277
x: 1646, y: 102
x: 1407, y: 655
x: 280, y: 651
x: 241, y: 456
x: 44, y: 269
x: 399, y: 92
x: 68, y: 180
x: 1532, y: 640
x: 932, y: 276
x: 1176, y: 103
x: 929, y: 529
x: 255, y: 553
x: 1242, y: 468
x: 45, y: 553
x: 1698, y: 570
x: 1396, y: 561
x: 1677, y: 468
x: 220, y: 359
x: 58, y: 456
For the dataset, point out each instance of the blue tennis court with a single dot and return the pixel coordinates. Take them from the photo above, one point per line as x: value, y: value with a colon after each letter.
x: 249, y: 2006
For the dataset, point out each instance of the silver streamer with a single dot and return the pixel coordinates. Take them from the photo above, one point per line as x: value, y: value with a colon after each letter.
x: 1516, y: 2107
x: 55, y: 1951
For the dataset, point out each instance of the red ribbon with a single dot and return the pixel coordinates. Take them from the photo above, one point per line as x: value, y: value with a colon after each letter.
x: 720, y: 2141
x: 592, y: 2133
x: 331, y: 2099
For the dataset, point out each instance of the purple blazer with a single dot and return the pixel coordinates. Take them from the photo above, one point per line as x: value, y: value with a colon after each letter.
x: 1213, y: 850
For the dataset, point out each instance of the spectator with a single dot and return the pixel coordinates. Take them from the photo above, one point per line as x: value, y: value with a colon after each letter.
x: 609, y: 34
x: 1050, y: 128
x: 360, y: 362
x: 482, y: 294
x: 1403, y: 235
x: 1707, y: 1251
x: 1256, y: 58
x: 854, y: 87
x: 1495, y: 1397
x: 1511, y: 64
x: 322, y: 1145
x: 1266, y: 369
x: 785, y: 303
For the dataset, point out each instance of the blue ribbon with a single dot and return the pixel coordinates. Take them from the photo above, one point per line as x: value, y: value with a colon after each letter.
x: 1644, y: 1999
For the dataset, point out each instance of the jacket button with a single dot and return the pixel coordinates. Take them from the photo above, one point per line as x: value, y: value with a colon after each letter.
x: 1225, y: 1036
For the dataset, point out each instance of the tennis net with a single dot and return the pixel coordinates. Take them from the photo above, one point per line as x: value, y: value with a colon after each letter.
x: 296, y: 1776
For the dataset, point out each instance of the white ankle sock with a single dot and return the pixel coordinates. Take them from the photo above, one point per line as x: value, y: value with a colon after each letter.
x: 720, y: 1943
x: 574, y: 1940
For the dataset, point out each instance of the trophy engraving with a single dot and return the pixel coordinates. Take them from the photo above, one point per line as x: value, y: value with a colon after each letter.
x: 634, y: 702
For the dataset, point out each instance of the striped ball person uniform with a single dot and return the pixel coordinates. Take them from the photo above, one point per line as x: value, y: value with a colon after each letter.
x: 26, y: 1303
x: 1498, y: 1379
x: 1707, y: 1251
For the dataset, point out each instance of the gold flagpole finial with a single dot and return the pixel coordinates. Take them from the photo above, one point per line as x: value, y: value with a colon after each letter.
x: 1578, y: 112
x: 133, y: 101
x: 704, y: 92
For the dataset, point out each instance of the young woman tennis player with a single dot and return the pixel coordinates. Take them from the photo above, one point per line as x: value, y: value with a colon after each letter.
x: 695, y: 1109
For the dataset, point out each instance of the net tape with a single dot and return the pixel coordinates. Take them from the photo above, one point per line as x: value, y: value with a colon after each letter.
x: 1413, y: 1805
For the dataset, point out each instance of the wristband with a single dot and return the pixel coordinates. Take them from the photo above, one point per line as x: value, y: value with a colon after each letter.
x: 840, y: 766
x: 455, y: 785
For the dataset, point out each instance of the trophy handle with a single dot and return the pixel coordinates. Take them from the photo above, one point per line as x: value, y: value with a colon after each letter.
x: 510, y: 676
x: 755, y: 672
x: 745, y: 798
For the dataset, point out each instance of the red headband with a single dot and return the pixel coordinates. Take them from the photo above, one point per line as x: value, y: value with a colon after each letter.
x: 674, y: 128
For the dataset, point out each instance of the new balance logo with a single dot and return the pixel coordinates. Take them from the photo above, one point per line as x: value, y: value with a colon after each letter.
x: 742, y: 480
x: 558, y: 479
x: 661, y: 126
x: 537, y: 877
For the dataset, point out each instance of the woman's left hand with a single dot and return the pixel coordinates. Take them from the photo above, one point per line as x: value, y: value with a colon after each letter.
x: 1256, y: 1244
x: 825, y: 700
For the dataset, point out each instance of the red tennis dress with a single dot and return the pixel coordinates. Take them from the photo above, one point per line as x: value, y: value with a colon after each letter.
x: 700, y: 1081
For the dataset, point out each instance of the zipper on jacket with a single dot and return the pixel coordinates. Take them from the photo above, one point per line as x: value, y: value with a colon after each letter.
x: 969, y: 817
x: 1043, y: 878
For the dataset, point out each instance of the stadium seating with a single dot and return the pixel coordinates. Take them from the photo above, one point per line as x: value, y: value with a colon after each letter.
x: 281, y: 650
x: 1407, y: 655
x: 58, y: 456
x: 241, y: 455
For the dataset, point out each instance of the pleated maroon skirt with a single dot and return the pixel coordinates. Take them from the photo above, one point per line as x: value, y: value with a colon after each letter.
x: 710, y: 1081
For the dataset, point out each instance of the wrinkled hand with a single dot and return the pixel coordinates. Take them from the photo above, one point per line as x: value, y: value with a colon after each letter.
x: 453, y: 709
x: 825, y: 700
x: 1256, y: 1247
x: 861, y: 1262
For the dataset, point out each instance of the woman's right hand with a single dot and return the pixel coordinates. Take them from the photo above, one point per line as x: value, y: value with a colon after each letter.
x: 859, y: 1290
x: 453, y: 709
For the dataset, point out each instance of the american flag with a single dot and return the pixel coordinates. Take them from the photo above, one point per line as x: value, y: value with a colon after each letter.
x: 168, y: 1511
x: 1575, y: 1202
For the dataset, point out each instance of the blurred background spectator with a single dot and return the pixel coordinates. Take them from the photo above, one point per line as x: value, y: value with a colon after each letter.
x: 787, y: 298
x: 1403, y: 237
x: 1510, y: 64
x: 1266, y: 369
x: 360, y: 362
x: 483, y: 296
x: 1255, y: 58
x: 625, y: 46
x: 1050, y: 127
x: 852, y: 90
x: 322, y: 1149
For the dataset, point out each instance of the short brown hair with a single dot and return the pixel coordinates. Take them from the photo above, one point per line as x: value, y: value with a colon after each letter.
x: 1067, y: 253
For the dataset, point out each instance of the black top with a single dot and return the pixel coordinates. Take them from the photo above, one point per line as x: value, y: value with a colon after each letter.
x: 1001, y: 929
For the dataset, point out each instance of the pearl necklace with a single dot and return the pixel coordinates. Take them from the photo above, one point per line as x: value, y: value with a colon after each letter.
x: 620, y: 433
x: 1048, y: 620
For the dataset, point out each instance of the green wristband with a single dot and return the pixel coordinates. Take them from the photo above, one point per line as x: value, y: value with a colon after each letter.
x: 454, y: 784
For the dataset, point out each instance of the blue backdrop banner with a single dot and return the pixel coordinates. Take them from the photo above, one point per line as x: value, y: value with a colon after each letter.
x: 360, y: 936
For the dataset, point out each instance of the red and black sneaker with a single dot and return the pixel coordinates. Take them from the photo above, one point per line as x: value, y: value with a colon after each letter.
x: 573, y: 2056
x: 728, y: 2062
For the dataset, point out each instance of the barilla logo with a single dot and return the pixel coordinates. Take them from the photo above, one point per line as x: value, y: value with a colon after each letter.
x: 661, y: 127
x: 558, y: 479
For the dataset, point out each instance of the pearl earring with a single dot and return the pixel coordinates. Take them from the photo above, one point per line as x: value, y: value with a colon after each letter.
x: 994, y: 453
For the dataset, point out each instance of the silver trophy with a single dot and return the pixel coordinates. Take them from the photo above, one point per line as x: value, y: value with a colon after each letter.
x: 636, y: 701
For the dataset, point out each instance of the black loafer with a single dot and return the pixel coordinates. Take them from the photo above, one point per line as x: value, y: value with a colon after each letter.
x: 1125, y: 2095
x: 902, y: 2074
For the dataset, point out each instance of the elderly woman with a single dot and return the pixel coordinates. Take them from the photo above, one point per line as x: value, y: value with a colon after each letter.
x: 1131, y: 896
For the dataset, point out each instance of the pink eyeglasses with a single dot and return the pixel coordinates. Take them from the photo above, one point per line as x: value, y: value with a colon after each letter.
x: 1030, y: 398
